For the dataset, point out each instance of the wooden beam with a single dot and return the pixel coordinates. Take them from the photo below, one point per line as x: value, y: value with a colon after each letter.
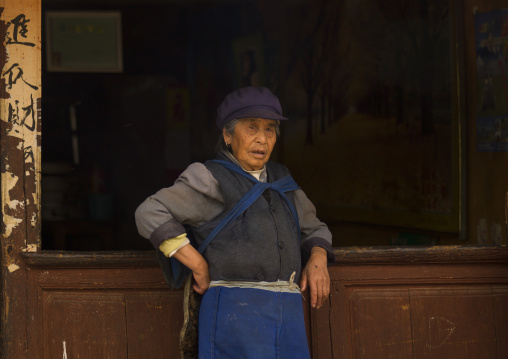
x: 420, y: 254
x: 20, y: 152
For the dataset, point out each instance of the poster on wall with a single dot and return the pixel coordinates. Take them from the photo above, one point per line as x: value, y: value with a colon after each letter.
x: 492, y: 69
x: 81, y: 41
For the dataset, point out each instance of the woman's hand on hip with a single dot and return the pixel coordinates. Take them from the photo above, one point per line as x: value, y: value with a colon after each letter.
x: 201, y: 279
x: 192, y: 259
x: 315, y: 276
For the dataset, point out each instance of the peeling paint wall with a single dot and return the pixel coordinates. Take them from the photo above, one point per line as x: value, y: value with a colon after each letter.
x: 20, y: 152
x: 20, y: 92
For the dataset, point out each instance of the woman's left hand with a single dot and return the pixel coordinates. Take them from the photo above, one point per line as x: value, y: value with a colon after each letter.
x: 315, y: 276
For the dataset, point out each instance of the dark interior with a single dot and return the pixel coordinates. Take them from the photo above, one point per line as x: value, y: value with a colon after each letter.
x: 129, y: 143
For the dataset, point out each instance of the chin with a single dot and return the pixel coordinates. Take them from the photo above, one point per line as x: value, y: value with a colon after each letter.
x: 254, y: 163
x: 257, y: 167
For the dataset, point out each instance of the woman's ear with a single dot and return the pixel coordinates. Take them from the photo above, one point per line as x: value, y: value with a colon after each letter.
x: 226, y: 136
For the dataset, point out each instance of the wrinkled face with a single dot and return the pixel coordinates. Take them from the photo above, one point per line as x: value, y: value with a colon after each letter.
x: 252, y: 142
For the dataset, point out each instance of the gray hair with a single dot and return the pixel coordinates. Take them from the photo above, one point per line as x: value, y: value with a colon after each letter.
x: 230, y: 129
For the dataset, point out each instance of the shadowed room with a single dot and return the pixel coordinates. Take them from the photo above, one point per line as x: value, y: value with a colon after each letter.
x: 376, y: 135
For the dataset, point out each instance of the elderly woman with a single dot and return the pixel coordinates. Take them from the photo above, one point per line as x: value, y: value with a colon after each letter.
x: 248, y: 273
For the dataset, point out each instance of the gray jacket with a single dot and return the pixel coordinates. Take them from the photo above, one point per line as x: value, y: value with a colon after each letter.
x: 196, y: 198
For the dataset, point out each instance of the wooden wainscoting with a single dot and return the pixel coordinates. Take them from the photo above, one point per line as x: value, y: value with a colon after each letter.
x: 439, y: 302
x: 101, y: 305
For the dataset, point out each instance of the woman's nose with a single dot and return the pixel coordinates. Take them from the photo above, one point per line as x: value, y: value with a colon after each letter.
x: 261, y: 137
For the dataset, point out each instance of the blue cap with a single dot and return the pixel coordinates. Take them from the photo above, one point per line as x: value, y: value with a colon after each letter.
x: 249, y: 102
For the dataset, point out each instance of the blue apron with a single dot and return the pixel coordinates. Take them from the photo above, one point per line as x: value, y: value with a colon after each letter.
x: 246, y: 323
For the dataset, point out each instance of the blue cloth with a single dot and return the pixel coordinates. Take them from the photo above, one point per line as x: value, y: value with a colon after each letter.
x: 249, y: 323
x: 285, y: 184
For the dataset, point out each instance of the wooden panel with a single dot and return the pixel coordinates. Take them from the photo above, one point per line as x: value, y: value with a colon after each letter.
x: 117, y: 309
x: 105, y: 278
x: 319, y: 331
x: 329, y: 327
x: 391, y: 274
x: 453, y: 322
x: 307, y: 318
x: 339, y: 321
x: 501, y: 316
x: 62, y: 259
x: 380, y: 323
x: 446, y: 306
x: 412, y: 254
x: 154, y: 320
x: 86, y: 325
x: 434, y: 285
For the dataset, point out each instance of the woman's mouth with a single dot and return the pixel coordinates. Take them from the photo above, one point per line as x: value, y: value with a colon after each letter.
x: 258, y: 153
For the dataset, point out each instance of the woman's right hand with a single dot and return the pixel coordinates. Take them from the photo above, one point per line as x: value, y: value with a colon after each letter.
x: 192, y: 259
x: 201, y: 279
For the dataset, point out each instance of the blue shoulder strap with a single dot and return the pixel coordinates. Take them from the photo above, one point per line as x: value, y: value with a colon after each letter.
x: 282, y: 185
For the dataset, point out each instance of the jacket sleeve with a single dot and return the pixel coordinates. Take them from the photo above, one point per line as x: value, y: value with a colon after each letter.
x: 193, y: 200
x: 314, y: 232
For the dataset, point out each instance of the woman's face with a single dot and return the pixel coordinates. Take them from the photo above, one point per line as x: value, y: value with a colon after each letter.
x: 252, y: 142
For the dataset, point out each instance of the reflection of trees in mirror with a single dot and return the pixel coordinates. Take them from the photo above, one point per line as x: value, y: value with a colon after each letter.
x: 388, y: 146
x: 385, y: 58
x: 314, y: 56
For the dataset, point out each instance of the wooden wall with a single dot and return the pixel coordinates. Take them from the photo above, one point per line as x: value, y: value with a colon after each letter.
x: 112, y: 306
x: 436, y: 302
x: 444, y: 302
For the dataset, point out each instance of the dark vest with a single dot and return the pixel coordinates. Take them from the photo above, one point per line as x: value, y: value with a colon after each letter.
x: 262, y: 243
